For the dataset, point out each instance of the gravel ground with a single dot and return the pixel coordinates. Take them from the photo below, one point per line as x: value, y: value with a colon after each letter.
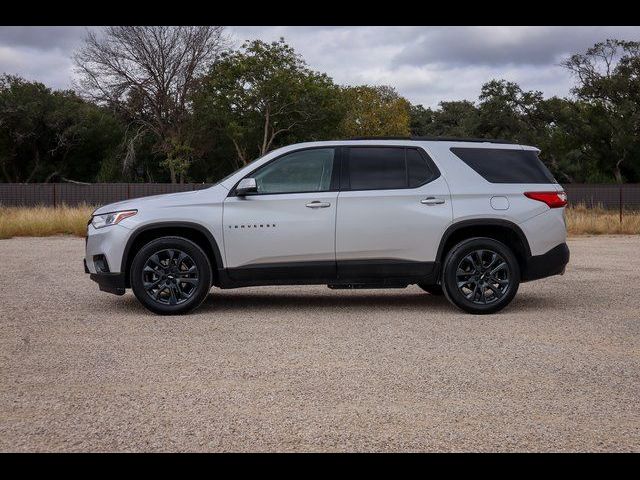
x: 312, y: 369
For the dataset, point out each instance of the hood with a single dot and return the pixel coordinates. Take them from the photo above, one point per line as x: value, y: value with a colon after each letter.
x: 165, y: 200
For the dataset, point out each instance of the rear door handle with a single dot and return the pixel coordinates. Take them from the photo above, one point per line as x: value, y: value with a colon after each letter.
x: 432, y: 201
x: 318, y: 204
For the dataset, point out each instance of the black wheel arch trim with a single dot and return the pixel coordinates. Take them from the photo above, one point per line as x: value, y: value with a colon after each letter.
x: 172, y: 224
x: 482, y: 222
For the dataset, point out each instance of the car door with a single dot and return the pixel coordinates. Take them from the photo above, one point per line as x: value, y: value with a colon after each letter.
x: 392, y: 211
x: 285, y: 232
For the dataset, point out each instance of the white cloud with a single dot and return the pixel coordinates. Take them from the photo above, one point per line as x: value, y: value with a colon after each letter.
x: 426, y: 64
x: 53, y: 67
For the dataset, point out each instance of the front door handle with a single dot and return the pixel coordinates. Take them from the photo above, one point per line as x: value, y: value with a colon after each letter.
x: 432, y: 201
x: 318, y: 204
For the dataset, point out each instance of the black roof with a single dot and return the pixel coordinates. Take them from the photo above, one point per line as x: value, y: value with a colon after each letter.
x: 439, y: 139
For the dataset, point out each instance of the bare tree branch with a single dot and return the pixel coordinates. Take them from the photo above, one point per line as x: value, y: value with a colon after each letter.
x: 148, y: 74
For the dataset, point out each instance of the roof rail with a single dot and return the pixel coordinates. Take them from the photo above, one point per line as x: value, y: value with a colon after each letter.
x: 439, y: 139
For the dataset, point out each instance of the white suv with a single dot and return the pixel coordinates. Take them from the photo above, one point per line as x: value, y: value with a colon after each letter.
x: 467, y: 218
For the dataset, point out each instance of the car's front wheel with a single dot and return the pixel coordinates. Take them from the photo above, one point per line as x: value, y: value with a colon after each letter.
x: 170, y: 275
x: 481, y: 275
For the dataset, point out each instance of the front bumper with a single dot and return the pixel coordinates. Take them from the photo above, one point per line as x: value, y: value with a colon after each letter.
x: 109, y: 282
x: 104, y: 251
x: 110, y: 242
x: 551, y: 263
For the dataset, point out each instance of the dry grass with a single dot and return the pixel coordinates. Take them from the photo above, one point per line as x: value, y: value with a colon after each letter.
x: 46, y: 221
x: 598, y: 221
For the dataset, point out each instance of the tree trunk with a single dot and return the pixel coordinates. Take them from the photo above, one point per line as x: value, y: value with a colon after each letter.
x: 265, y: 134
x: 51, y: 176
x: 240, y: 152
x: 75, y: 182
x: 617, y: 173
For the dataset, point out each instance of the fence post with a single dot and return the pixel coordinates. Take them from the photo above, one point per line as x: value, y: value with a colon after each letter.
x: 54, y: 195
x: 128, y: 191
x: 620, y: 202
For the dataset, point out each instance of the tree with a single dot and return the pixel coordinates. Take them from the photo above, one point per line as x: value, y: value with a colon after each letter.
x: 149, y: 73
x: 608, y: 77
x: 420, y: 120
x: 375, y: 111
x: 264, y: 93
x: 179, y: 158
x: 47, y: 135
x: 451, y: 119
x: 506, y: 111
x: 555, y: 125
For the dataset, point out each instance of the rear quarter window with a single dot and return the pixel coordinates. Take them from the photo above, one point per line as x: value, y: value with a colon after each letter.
x: 497, y: 165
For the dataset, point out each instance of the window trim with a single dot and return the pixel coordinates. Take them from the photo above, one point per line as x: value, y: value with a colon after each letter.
x: 345, y: 180
x: 335, y: 173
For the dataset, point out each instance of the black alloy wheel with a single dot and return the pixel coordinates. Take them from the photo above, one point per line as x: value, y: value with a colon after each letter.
x: 171, y: 275
x: 480, y: 275
x: 483, y: 276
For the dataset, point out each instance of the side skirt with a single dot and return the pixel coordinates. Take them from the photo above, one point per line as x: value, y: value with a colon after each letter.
x: 374, y: 273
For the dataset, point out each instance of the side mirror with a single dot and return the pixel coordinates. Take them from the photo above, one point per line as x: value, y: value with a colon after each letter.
x: 246, y: 185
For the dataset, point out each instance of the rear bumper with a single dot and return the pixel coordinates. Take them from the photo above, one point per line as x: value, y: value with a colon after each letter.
x: 110, y: 282
x: 551, y: 263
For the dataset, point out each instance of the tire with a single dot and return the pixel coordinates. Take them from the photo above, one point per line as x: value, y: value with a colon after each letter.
x: 433, y: 289
x: 480, y: 275
x: 170, y: 276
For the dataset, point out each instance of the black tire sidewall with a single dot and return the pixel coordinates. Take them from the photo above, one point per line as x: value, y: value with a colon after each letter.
x: 457, y: 253
x: 191, y: 249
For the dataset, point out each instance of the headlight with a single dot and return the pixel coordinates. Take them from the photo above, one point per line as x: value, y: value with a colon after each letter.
x: 113, y: 218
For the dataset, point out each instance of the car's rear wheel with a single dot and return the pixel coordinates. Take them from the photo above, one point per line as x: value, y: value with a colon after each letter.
x: 171, y: 275
x: 481, y: 275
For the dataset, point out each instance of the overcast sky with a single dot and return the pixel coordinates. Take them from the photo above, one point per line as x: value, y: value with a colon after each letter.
x: 425, y: 64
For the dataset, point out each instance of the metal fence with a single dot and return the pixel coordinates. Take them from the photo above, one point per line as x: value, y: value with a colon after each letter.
x: 56, y: 194
x: 619, y: 197
x: 622, y: 197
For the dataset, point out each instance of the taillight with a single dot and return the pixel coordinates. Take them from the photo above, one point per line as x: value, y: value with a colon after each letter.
x: 552, y: 199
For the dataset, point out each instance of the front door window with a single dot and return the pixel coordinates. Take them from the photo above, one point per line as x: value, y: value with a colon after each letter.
x: 297, y: 172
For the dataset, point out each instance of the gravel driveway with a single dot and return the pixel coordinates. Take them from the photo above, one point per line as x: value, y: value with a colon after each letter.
x: 312, y: 369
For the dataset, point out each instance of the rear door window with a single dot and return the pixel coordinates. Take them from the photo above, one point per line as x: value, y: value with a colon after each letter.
x: 377, y: 168
x: 497, y: 165
x: 385, y: 168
